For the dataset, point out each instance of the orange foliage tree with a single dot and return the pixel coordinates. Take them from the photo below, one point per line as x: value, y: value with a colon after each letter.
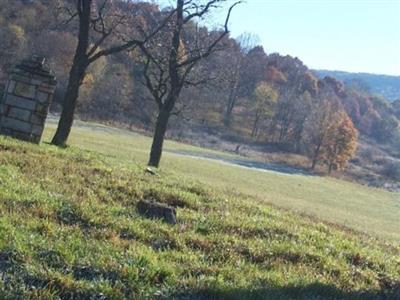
x: 330, y: 136
x: 341, y: 143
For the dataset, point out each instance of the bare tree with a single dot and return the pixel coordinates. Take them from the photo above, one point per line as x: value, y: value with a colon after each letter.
x: 292, y: 111
x: 103, y: 30
x: 170, y: 60
x: 246, y: 42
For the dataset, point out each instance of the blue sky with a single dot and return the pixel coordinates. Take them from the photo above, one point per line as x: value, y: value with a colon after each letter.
x: 348, y: 35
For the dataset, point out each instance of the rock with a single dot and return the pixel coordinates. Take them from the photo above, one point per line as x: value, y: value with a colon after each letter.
x: 150, y: 171
x: 154, y: 210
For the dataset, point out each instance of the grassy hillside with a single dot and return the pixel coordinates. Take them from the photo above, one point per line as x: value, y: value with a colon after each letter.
x: 69, y: 228
x: 373, y: 211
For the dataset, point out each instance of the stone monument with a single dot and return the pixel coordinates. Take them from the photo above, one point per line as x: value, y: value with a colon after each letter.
x: 26, y: 100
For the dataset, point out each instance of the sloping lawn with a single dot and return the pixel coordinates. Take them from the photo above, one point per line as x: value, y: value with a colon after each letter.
x: 372, y: 211
x: 69, y: 229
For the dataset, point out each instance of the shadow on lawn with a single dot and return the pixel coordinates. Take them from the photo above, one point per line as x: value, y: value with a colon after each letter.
x: 315, y: 291
x: 244, y: 163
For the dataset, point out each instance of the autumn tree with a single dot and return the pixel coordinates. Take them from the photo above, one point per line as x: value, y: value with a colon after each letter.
x: 264, y: 99
x: 103, y: 30
x: 169, y: 62
x: 341, y: 142
x: 330, y: 136
x: 319, y: 122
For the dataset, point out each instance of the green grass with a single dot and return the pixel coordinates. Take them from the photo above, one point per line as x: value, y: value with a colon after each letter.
x: 69, y: 229
x: 372, y: 211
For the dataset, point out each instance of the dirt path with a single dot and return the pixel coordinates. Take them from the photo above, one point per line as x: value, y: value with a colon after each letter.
x: 242, y: 163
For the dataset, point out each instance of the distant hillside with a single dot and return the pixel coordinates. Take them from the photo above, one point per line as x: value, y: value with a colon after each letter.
x: 385, y: 85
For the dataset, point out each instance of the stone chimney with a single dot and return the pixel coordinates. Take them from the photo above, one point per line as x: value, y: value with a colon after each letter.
x: 26, y: 100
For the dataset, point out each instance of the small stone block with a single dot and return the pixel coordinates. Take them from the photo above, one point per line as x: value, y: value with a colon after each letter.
x: 20, y: 78
x: 42, y: 98
x: 15, y: 124
x: 19, y: 113
x: 48, y: 90
x: 36, y: 81
x: 20, y: 102
x: 37, y: 119
x: 25, y: 90
x: 11, y: 86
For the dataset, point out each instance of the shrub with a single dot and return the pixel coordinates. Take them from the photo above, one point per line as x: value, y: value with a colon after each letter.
x: 391, y: 169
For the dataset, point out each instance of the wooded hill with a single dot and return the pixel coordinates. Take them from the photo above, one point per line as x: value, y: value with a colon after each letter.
x: 239, y: 89
x: 385, y: 85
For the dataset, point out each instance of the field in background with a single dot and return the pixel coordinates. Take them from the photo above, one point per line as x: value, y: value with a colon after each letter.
x: 372, y: 211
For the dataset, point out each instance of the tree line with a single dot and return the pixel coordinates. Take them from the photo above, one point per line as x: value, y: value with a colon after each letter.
x: 158, y: 68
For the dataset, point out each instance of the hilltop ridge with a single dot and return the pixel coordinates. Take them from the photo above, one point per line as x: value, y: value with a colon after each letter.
x: 386, y: 85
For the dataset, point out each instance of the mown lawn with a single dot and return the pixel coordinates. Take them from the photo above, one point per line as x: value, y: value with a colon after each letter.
x: 372, y: 211
x: 69, y: 229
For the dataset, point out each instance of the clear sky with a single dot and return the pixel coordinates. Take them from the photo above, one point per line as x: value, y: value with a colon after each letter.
x: 348, y: 35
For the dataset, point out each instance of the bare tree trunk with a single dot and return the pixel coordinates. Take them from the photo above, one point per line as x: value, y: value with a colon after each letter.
x: 315, y: 156
x: 255, y: 126
x: 231, y: 104
x: 232, y: 96
x: 67, y: 115
x: 314, y: 163
x: 158, y: 138
x: 76, y: 75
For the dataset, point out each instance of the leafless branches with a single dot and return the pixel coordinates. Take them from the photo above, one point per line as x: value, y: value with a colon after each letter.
x: 185, y: 54
x: 170, y: 60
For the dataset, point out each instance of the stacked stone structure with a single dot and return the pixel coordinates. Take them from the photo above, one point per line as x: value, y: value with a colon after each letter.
x: 26, y: 100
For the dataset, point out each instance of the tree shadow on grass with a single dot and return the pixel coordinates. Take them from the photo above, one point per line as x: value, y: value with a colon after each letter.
x: 315, y: 291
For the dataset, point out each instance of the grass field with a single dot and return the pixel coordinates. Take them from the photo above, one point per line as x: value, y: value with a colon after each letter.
x: 372, y: 211
x: 69, y: 229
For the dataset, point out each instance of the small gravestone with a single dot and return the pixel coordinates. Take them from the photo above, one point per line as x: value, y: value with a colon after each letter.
x: 154, y: 210
x: 26, y: 100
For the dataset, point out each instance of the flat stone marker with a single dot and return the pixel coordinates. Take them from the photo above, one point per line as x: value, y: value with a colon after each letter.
x: 154, y: 210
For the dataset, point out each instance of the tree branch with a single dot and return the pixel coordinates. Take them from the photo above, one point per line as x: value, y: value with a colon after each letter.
x: 132, y: 44
x: 201, y: 10
x: 211, y: 47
